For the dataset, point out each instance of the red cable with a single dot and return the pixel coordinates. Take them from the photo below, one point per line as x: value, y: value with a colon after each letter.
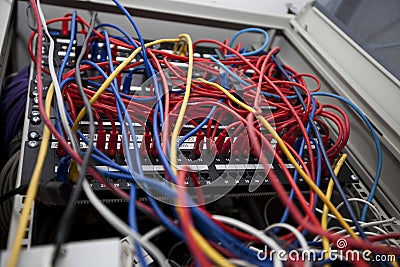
x: 185, y: 218
x: 266, y: 82
x: 118, y: 192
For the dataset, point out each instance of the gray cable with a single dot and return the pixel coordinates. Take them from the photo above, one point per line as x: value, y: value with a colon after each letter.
x: 65, y: 222
x: 122, y: 227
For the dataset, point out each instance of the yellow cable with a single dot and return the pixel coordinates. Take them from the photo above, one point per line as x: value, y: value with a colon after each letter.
x: 308, y: 180
x: 324, y: 217
x: 74, y: 174
x: 228, y: 94
x: 207, y: 248
x: 182, y: 111
x: 394, y: 263
x: 214, y: 255
x: 113, y: 75
x: 32, y: 189
x: 292, y: 160
x: 204, y: 246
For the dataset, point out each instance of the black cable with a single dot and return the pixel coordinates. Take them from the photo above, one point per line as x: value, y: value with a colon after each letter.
x: 173, y: 263
x: 323, y: 152
x: 5, y: 216
x: 65, y: 223
x: 15, y: 144
x: 28, y: 17
x: 7, y: 179
x: 17, y: 191
x: 255, y: 212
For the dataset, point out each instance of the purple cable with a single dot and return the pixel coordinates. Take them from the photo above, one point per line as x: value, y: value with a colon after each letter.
x: 12, y: 108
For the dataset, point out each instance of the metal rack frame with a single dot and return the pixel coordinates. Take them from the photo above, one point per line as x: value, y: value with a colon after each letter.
x: 310, y: 43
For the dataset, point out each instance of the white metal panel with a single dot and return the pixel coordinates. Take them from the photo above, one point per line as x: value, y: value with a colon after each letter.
x: 99, y: 253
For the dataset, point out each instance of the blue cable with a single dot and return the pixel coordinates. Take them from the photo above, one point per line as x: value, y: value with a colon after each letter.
x: 319, y: 168
x: 120, y: 105
x: 157, y: 210
x: 204, y: 222
x: 318, y: 178
x: 69, y: 48
x: 376, y: 140
x: 126, y: 13
x: 198, y: 127
x: 62, y: 67
x: 301, y: 151
x: 337, y: 183
x: 108, y: 55
x: 105, y: 76
x: 126, y: 88
x: 120, y: 38
x: 133, y: 223
x: 258, y: 30
x: 134, y: 174
x: 128, y: 37
x: 295, y: 89
x: 149, y: 68
x: 157, y: 143
x: 375, y: 137
x: 175, y: 230
x: 110, y: 163
x: 94, y: 50
x: 168, y: 169
x: 163, y: 158
x: 224, y: 83
x: 240, y: 80
x: 101, y: 158
x: 228, y: 70
x: 325, y: 156
x: 221, y: 235
x: 104, y: 159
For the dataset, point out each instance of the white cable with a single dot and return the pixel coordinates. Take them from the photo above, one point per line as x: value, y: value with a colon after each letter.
x: 380, y: 230
x: 333, y: 216
x: 370, y: 224
x: 265, y: 212
x: 373, y: 208
x: 391, y: 240
x: 365, y: 225
x: 57, y: 89
x: 59, y: 98
x: 154, y: 232
x: 362, y: 224
x: 299, y: 236
x: 122, y: 227
x: 251, y: 230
